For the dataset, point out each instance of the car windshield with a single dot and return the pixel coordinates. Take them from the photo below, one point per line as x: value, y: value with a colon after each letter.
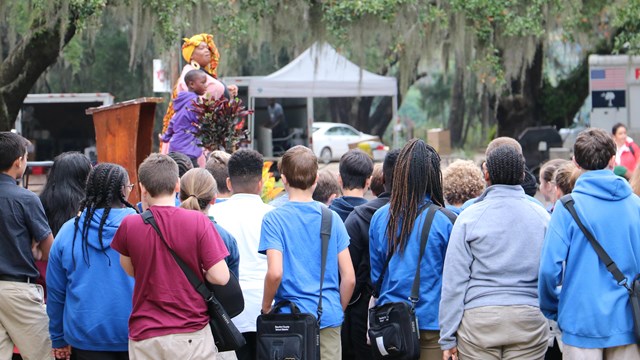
x: 314, y: 129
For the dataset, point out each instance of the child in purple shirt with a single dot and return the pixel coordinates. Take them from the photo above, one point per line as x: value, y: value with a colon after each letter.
x: 180, y: 133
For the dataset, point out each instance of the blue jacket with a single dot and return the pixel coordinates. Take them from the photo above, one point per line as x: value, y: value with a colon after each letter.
x: 398, y: 279
x: 179, y: 134
x: 591, y: 309
x: 233, y: 260
x: 89, y: 304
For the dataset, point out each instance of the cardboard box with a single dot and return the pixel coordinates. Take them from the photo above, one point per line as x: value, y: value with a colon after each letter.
x: 440, y: 140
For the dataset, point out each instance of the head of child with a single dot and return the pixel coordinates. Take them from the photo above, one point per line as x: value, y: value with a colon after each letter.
x: 327, y: 188
x: 547, y: 184
x: 377, y: 180
x: 197, y: 190
x: 355, y: 171
x: 503, y: 141
x: 462, y: 180
x: 299, y: 170
x: 388, y: 168
x: 504, y: 166
x: 594, y: 150
x: 565, y: 178
x: 159, y: 181
x: 13, y: 154
x: 245, y: 172
x: 196, y: 81
x: 416, y: 176
x: 107, y: 188
x: 217, y: 166
x: 183, y: 161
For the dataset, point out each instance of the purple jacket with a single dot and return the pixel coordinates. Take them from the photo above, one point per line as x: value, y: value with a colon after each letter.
x: 179, y: 134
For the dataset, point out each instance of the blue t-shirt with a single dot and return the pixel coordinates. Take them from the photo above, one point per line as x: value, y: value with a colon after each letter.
x: 294, y: 230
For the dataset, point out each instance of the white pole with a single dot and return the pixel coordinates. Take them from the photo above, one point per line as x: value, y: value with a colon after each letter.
x: 252, y: 122
x: 394, y: 122
x: 310, y: 119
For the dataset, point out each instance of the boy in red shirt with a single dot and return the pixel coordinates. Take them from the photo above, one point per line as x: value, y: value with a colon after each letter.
x: 169, y: 319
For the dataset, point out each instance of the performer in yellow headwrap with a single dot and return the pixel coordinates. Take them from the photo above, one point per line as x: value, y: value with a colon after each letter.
x: 199, y: 52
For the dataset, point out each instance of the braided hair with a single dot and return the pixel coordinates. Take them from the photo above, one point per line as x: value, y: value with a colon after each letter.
x: 416, y: 174
x: 105, y: 190
x: 505, y: 166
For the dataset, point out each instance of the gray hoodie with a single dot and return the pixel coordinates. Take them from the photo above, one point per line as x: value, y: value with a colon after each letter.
x: 493, y: 256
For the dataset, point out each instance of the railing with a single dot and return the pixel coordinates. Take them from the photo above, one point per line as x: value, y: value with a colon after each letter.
x: 30, y: 166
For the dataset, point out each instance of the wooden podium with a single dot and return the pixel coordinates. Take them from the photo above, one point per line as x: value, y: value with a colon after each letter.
x: 124, y: 135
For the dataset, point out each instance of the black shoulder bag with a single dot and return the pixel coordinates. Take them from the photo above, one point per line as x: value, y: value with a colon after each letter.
x: 225, y: 334
x: 295, y: 335
x: 634, y: 289
x: 393, y: 327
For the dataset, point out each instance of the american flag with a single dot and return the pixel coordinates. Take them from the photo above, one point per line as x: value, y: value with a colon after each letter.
x: 609, y: 79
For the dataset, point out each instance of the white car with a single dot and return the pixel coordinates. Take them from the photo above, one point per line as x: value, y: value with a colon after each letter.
x: 331, y: 140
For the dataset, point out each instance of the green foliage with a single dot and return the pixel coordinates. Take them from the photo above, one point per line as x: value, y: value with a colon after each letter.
x: 220, y: 123
x: 628, y: 23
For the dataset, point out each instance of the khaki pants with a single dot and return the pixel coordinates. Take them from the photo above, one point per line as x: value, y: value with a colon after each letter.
x: 198, y: 345
x: 626, y: 352
x: 429, y: 347
x: 503, y: 332
x: 330, y: 343
x: 23, y: 321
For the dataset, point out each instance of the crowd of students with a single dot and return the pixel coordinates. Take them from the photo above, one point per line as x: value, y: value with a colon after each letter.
x: 506, y: 279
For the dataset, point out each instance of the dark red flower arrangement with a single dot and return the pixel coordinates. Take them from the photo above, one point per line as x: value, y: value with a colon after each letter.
x: 220, y: 123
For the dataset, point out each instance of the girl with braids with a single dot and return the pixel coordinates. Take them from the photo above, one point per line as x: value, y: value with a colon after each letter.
x: 397, y: 229
x: 198, y: 190
x: 88, y: 291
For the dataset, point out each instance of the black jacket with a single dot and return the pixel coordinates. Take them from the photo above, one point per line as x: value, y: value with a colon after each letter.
x: 357, y: 225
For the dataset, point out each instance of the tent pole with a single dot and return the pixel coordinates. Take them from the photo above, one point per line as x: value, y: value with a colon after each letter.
x: 394, y: 121
x: 252, y: 122
x: 310, y: 120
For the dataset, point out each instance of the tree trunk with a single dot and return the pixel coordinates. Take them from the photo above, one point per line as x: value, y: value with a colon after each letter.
x: 24, y: 65
x: 521, y: 108
x: 456, y: 115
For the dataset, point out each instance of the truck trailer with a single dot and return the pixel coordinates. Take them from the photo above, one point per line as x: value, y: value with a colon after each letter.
x: 55, y: 123
x: 614, y: 85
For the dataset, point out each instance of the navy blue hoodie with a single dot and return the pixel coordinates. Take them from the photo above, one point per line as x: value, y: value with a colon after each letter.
x: 344, y: 205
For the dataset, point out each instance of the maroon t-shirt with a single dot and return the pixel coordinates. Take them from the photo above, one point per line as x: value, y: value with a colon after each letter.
x: 164, y: 302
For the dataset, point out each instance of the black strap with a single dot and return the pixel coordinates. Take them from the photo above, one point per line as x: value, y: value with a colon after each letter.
x: 325, y: 235
x: 568, y: 202
x: 200, y: 287
x: 426, y: 228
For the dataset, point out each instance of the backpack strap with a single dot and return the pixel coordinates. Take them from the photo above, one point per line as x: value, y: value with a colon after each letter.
x: 568, y: 202
x: 423, y: 242
x: 325, y: 235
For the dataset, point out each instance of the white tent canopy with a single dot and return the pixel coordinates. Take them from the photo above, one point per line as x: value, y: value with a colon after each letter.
x: 320, y: 72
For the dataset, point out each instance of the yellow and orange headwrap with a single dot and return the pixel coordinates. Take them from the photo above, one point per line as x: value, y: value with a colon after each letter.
x: 190, y: 45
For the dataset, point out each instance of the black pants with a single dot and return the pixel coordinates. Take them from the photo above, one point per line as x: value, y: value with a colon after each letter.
x: 354, y: 330
x: 248, y: 352
x: 77, y: 354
